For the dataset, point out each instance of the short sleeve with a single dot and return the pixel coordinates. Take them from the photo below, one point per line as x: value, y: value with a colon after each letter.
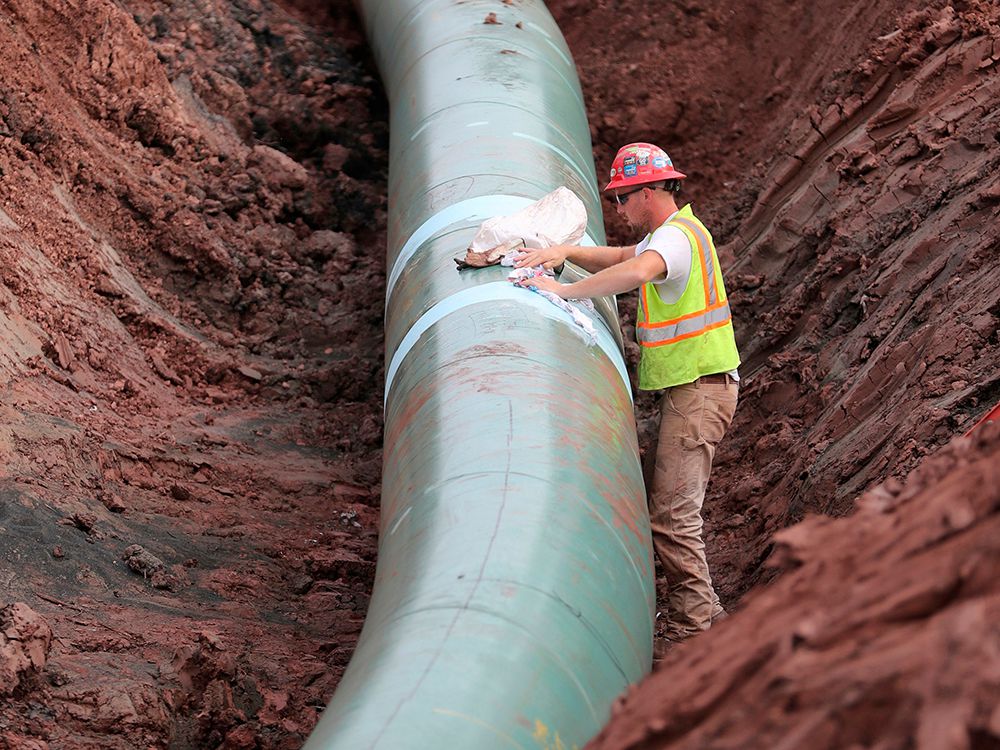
x: 673, y: 246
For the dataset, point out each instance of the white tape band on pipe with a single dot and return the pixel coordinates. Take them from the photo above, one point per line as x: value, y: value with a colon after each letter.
x: 482, y: 207
x: 503, y: 291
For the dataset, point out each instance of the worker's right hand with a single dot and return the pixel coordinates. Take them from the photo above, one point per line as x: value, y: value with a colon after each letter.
x: 549, y: 257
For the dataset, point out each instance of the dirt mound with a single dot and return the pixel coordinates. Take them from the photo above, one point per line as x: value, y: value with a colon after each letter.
x: 864, y: 275
x: 191, y: 275
x: 882, y: 630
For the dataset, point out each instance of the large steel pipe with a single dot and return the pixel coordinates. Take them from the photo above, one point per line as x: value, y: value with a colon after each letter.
x: 514, y: 597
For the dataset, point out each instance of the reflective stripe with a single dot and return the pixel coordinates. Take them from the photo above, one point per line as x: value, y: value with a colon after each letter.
x: 705, y: 254
x: 644, y: 304
x: 688, y: 316
x: 682, y: 328
x: 704, y: 248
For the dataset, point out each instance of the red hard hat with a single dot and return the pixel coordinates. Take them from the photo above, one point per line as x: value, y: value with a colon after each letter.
x: 639, y: 163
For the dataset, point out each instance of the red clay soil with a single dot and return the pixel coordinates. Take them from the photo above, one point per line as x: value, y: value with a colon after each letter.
x: 191, y: 258
x: 192, y: 229
x: 882, y: 631
x: 847, y: 158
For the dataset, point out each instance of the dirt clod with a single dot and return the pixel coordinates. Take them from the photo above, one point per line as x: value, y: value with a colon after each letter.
x: 141, y: 561
x: 25, y: 640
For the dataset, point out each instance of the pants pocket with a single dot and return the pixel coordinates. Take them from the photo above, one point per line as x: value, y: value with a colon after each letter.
x: 716, y: 418
x: 685, y: 403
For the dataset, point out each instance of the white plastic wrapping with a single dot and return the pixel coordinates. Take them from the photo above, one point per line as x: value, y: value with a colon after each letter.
x: 559, y: 218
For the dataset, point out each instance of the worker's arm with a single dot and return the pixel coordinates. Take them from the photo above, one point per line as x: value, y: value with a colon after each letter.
x: 623, y: 277
x: 592, y: 259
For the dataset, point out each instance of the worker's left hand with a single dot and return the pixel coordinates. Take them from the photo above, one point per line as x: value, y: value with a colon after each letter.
x: 548, y: 257
x: 545, y: 284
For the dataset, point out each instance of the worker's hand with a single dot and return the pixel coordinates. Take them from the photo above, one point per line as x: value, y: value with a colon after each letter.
x: 549, y: 257
x: 545, y: 284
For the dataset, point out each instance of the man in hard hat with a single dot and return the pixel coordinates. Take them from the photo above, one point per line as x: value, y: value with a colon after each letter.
x: 688, y: 349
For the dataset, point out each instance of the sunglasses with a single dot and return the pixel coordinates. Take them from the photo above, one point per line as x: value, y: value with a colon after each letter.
x: 622, y: 198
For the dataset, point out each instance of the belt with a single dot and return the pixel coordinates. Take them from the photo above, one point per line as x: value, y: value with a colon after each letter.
x: 720, y: 377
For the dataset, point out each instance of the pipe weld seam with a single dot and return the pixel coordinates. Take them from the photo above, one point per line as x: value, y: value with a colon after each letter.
x: 499, y: 291
x: 481, y: 207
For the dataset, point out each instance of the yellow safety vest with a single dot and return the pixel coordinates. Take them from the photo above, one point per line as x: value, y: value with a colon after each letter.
x: 694, y: 336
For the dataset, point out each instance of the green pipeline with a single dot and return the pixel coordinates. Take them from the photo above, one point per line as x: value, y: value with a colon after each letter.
x: 514, y: 594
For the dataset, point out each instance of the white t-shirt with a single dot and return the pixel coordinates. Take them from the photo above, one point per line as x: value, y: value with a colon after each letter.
x: 673, y: 246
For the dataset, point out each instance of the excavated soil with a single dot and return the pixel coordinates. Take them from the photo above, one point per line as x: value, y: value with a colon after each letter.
x: 192, y: 229
x: 846, y: 159
x: 191, y: 257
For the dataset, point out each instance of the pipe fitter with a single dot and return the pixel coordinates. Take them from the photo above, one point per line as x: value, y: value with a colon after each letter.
x: 688, y: 350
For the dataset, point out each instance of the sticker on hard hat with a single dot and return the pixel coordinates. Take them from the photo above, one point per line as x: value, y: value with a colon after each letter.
x: 629, y: 170
x: 659, y: 162
x: 629, y: 161
x: 613, y: 173
x: 644, y: 160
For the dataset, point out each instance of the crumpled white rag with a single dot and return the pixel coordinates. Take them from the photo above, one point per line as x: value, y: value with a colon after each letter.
x: 557, y: 218
x: 583, y: 321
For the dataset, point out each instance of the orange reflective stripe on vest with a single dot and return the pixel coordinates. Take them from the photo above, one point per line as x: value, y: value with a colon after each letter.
x: 715, y: 313
x: 693, y: 335
x: 705, y: 256
x: 669, y: 331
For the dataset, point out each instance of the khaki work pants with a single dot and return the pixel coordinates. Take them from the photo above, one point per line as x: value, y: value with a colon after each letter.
x: 693, y: 419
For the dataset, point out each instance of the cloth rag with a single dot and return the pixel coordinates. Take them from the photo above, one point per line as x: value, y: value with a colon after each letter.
x: 584, y: 322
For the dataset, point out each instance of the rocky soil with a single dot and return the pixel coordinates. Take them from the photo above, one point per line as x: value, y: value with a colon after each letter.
x: 192, y: 224
x: 881, y: 631
x: 846, y: 157
x: 191, y: 258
